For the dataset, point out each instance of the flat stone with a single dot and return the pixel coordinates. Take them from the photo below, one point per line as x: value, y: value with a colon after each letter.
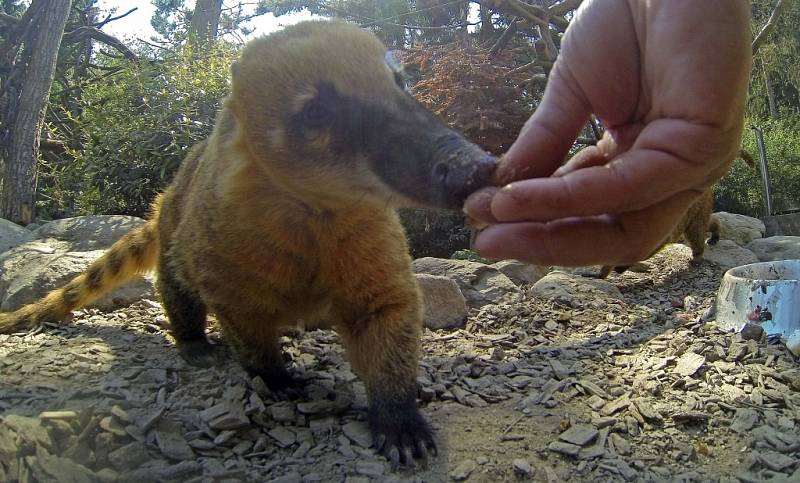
x: 283, y: 436
x: 774, y: 460
x: 463, y: 470
x: 58, y: 415
x: 743, y: 420
x: 173, y: 446
x: 370, y: 468
x: 358, y: 433
x: 579, y: 434
x: 282, y: 412
x: 128, y: 457
x: 689, y: 363
x: 522, y: 467
x: 564, y: 448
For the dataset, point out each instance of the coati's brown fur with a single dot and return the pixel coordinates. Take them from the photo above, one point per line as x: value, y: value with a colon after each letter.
x: 286, y: 213
x: 693, y: 227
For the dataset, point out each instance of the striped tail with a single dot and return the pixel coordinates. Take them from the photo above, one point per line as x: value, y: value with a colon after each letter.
x: 133, y: 254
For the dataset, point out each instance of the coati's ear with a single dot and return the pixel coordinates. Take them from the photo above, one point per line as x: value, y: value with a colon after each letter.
x: 395, y: 64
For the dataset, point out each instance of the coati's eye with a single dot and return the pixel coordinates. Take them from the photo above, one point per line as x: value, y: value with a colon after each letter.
x: 316, y: 114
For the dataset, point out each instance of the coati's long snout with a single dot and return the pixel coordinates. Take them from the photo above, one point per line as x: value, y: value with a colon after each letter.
x: 426, y: 162
x: 349, y: 117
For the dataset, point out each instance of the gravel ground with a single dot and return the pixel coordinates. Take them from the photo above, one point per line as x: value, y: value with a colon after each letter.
x: 543, y: 390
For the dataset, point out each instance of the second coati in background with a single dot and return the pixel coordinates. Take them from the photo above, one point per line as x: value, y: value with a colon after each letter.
x: 286, y: 213
x: 693, y: 227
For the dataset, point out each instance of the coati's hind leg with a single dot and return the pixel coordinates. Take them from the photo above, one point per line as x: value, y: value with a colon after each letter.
x: 383, y: 349
x: 695, y: 236
x: 255, y: 338
x: 713, y: 227
x: 187, y: 318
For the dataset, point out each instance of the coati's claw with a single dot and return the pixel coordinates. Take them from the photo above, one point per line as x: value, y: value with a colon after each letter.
x: 401, y: 434
x: 198, y: 353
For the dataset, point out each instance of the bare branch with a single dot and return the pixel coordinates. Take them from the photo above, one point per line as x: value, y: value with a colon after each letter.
x: 81, y: 33
x: 561, y: 9
x: 111, y: 19
x: 770, y: 25
x: 504, y: 38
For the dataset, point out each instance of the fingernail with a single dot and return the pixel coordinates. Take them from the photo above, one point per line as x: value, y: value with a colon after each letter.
x: 478, y: 205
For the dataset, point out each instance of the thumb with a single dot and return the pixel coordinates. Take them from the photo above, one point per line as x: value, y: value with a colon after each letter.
x: 547, y: 136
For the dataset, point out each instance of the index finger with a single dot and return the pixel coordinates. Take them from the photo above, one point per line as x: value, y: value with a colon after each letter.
x: 653, y: 170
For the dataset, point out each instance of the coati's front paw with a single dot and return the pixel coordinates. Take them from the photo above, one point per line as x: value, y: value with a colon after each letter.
x: 280, y: 383
x: 198, y: 352
x: 399, y: 432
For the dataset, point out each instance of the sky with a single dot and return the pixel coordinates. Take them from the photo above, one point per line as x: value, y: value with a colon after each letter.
x: 137, y: 24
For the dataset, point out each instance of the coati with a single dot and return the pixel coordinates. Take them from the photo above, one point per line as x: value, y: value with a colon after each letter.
x: 286, y: 212
x: 694, y: 225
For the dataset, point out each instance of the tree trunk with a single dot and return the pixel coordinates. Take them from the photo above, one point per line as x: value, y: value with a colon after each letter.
x: 24, y: 122
x: 771, y: 102
x: 205, y: 21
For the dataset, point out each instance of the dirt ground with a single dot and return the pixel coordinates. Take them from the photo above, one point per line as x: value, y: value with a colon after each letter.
x: 571, y: 389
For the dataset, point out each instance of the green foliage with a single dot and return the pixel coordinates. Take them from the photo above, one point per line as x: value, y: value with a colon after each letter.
x: 434, y: 233
x: 741, y: 190
x: 137, y: 126
x: 471, y: 256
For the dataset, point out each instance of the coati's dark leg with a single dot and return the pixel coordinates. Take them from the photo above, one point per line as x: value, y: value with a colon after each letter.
x: 383, y: 348
x: 713, y: 227
x: 605, y: 270
x: 187, y: 317
x: 254, y: 338
x: 695, y: 236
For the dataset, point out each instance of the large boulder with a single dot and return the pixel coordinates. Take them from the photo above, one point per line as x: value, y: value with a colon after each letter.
x: 776, y: 248
x: 521, y: 273
x: 727, y: 254
x: 445, y: 306
x: 30, y: 270
x: 741, y: 229
x: 570, y: 286
x: 12, y: 235
x: 84, y: 233
x: 479, y: 283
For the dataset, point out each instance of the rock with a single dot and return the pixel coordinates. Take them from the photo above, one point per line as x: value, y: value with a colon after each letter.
x: 480, y: 284
x: 751, y: 331
x: 739, y: 229
x: 463, y: 470
x: 283, y: 436
x: 522, y: 468
x: 564, y: 448
x: 87, y: 233
x: 12, y: 235
x: 689, y: 363
x: 173, y: 446
x: 282, y: 412
x: 358, y: 432
x: 743, y: 420
x: 521, y: 273
x: 370, y: 468
x: 728, y: 254
x: 569, y: 286
x: 32, y: 269
x: 579, y: 434
x: 29, y: 431
x: 128, y: 457
x: 47, y: 467
x: 445, y: 306
x: 776, y: 248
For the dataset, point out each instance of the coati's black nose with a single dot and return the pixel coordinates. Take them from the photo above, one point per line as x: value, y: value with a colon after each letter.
x: 461, y: 168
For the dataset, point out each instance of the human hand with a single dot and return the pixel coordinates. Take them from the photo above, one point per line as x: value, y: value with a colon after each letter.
x: 668, y: 80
